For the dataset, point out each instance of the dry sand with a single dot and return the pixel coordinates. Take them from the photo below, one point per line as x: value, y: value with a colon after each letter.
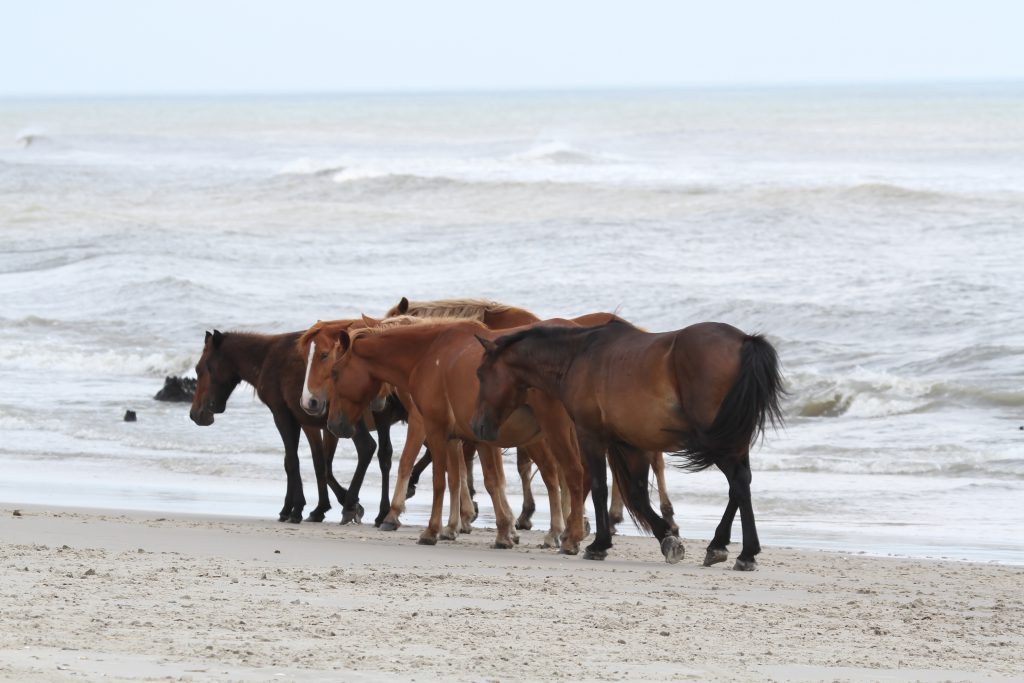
x: 93, y: 595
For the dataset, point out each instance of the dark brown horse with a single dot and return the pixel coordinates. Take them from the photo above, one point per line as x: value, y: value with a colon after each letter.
x: 273, y: 365
x: 704, y: 392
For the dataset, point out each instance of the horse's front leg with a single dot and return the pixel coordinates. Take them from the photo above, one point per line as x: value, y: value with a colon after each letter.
x: 524, y: 465
x: 494, y: 482
x: 456, y: 480
x: 295, y: 501
x: 414, y: 436
x: 384, y: 454
x: 593, y: 450
x: 316, y: 449
x: 541, y: 454
x: 365, y: 448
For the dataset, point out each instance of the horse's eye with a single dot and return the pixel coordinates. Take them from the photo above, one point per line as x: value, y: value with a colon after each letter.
x: 323, y: 356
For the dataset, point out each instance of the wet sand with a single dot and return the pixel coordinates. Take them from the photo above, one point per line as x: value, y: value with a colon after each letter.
x: 114, y: 596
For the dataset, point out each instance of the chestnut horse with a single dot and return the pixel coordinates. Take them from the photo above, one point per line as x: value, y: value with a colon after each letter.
x: 435, y: 363
x: 704, y: 392
x: 502, y: 316
x: 274, y: 367
x: 496, y: 316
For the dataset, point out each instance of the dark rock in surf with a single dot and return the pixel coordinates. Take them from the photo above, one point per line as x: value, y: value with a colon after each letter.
x: 177, y: 389
x: 129, y: 416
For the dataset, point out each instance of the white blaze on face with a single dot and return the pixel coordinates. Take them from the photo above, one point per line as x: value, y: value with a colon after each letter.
x: 306, y: 395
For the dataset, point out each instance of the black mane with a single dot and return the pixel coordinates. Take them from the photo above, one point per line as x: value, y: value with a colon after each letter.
x: 552, y: 332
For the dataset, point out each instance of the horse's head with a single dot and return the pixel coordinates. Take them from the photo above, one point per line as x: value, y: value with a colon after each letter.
x: 216, y: 378
x: 501, y: 392
x: 317, y: 344
x: 352, y: 388
x: 401, y: 308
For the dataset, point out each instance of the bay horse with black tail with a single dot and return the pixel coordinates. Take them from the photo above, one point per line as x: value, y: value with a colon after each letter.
x: 704, y: 393
x: 274, y: 367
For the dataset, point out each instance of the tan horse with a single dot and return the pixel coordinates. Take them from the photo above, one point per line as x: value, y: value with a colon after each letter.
x: 435, y: 363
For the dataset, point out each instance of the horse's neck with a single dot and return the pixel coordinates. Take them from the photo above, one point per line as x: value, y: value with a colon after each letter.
x: 543, y: 365
x: 392, y: 357
x: 248, y: 352
x: 512, y: 317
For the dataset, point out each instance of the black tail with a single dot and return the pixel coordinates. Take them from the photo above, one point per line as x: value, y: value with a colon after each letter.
x: 622, y: 476
x: 752, y: 402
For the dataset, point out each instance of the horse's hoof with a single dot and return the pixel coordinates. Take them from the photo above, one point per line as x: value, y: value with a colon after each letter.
x: 387, y: 525
x: 476, y: 511
x: 353, y: 515
x: 672, y: 549
x: 447, y: 534
x: 715, y: 555
x: 550, y: 541
x: 295, y: 518
x: 502, y: 545
x: 586, y: 526
x: 589, y: 554
x: 315, y: 516
x: 466, y: 528
x: 612, y: 530
x: 524, y: 524
x: 427, y: 540
x: 745, y: 565
x: 573, y: 550
x: 283, y: 517
x: 411, y: 491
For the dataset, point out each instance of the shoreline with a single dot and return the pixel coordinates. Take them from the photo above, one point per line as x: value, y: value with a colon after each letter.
x: 139, y: 596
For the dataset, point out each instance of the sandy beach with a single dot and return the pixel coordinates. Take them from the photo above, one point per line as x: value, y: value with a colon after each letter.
x: 100, y: 595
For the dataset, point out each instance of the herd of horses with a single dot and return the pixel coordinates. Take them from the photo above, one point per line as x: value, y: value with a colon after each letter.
x: 470, y: 378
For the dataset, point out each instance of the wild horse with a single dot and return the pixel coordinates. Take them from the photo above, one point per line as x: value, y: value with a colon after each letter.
x: 434, y: 362
x: 273, y: 365
x: 704, y: 392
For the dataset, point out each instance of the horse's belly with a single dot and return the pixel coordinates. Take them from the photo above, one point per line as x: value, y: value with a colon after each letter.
x: 655, y: 427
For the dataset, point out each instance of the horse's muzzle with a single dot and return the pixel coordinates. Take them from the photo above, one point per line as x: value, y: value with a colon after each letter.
x: 203, y: 418
x: 313, y: 406
x: 484, y: 428
x: 341, y: 427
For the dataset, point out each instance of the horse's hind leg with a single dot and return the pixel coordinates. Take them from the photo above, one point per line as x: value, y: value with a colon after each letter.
x: 718, y: 549
x: 417, y: 471
x: 751, y: 545
x: 525, y: 475
x: 667, y: 511
x: 365, y: 448
x: 468, y: 454
x: 637, y: 471
x: 615, y: 511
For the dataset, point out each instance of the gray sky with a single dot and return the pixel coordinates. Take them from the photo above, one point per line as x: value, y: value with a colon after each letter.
x: 104, y: 47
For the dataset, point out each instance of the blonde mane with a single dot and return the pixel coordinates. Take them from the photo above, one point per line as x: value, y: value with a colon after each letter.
x: 393, y: 322
x: 321, y: 324
x: 466, y: 309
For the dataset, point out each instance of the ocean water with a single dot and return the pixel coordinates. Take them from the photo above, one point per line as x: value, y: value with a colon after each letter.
x: 875, y: 235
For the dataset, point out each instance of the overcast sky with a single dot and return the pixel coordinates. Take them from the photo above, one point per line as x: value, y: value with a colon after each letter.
x: 104, y: 47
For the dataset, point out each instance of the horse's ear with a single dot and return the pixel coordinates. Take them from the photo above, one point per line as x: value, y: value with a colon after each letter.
x: 403, y: 306
x: 370, y: 322
x: 208, y: 335
x: 486, y: 343
x: 344, y: 341
x: 218, y: 338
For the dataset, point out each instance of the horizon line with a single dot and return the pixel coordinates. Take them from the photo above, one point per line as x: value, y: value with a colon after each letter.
x: 541, y: 90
